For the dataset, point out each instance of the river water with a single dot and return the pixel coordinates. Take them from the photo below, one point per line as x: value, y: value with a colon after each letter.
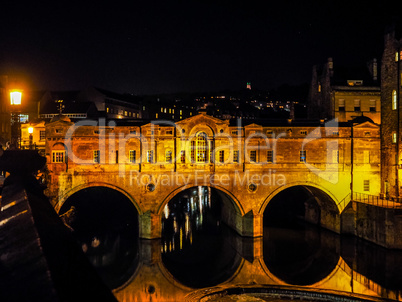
x: 198, y: 256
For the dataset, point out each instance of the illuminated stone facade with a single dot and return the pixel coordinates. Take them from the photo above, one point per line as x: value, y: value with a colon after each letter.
x: 391, y: 117
x: 344, y: 96
x: 248, y: 165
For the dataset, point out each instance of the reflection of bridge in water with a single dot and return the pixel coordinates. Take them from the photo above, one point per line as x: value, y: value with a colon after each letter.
x: 152, y: 280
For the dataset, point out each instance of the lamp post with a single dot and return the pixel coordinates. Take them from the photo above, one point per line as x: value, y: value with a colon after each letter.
x: 30, y: 131
x: 15, y: 101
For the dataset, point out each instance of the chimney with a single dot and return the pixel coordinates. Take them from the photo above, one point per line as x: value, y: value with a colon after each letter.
x: 375, y: 69
x: 331, y: 67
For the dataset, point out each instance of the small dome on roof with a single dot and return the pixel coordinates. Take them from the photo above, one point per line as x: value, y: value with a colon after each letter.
x: 361, y: 120
x: 60, y: 117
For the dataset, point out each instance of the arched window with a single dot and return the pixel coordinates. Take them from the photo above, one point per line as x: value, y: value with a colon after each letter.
x: 200, y: 148
x: 394, y: 100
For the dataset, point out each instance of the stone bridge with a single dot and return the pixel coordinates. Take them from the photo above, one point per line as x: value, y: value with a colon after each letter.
x: 248, y: 165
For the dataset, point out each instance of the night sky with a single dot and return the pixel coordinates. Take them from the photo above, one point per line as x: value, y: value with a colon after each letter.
x: 167, y: 46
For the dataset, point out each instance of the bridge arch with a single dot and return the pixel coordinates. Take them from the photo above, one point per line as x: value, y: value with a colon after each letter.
x: 326, y: 215
x: 105, y: 223
x: 176, y: 191
x: 231, y: 212
x: 66, y: 195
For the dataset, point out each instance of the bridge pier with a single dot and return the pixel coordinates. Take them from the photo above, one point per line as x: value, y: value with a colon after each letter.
x: 249, y: 225
x: 150, y: 225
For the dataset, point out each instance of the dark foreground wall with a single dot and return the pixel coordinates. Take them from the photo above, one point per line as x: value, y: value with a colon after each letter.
x: 39, y: 258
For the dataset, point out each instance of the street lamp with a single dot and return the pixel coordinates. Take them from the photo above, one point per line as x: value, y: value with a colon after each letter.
x: 15, y: 97
x: 30, y: 131
x: 15, y: 101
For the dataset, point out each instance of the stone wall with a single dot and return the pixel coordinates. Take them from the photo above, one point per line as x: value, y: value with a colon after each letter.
x: 379, y: 225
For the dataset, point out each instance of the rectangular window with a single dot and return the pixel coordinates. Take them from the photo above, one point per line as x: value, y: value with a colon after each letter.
x: 373, y: 106
x: 270, y: 156
x: 221, y: 156
x: 183, y: 156
x: 394, y: 100
x: 117, y: 156
x: 168, y: 156
x: 150, y: 156
x: 394, y: 137
x: 357, y: 105
x: 42, y: 135
x: 366, y: 185
x: 58, y: 157
x: 341, y: 106
x: 335, y: 156
x: 366, y: 156
x: 253, y: 156
x: 303, y: 156
x: 132, y: 156
x: 236, y: 156
x: 96, y: 156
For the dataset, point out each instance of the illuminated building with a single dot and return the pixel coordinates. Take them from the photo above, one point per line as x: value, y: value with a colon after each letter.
x: 345, y: 92
x: 38, y: 136
x: 391, y: 116
x: 250, y: 163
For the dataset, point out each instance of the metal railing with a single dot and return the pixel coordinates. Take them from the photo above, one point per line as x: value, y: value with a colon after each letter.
x: 344, y: 202
x: 378, y: 201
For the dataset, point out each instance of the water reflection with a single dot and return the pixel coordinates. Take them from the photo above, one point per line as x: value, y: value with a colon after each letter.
x: 194, y: 246
x: 197, y: 252
x: 382, y: 266
x: 105, y: 224
x: 300, y: 254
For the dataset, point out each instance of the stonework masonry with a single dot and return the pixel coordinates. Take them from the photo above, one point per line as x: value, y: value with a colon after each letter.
x: 248, y: 165
x: 391, y: 116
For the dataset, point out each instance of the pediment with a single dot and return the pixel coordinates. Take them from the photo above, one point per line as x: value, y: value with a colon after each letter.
x: 367, y: 125
x: 253, y: 126
x: 202, y: 122
x: 203, y: 118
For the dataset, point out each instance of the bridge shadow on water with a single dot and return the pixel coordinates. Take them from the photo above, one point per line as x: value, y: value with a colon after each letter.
x: 197, y: 251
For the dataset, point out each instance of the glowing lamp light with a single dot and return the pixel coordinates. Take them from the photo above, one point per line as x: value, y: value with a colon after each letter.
x: 15, y: 97
x: 30, y: 130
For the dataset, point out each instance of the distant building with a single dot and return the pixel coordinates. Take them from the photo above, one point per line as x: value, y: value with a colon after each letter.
x: 345, y: 92
x: 35, y: 140
x: 89, y: 103
x: 112, y: 105
x: 52, y: 103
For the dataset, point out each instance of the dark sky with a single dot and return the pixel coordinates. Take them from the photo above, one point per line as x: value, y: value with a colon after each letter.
x: 185, y: 46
